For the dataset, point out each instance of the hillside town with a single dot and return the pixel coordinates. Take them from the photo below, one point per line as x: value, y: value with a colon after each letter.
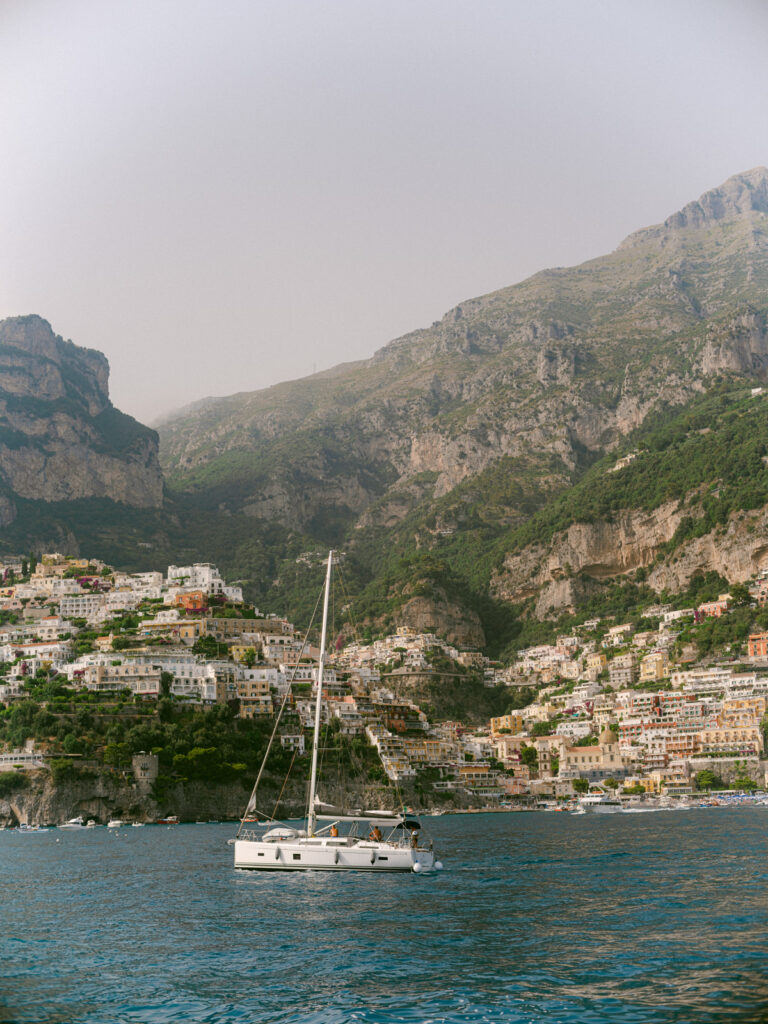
x: 615, y: 707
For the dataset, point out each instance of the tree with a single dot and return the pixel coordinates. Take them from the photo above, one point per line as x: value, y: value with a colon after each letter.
x: 529, y: 756
x: 706, y: 779
x: 117, y: 755
x: 744, y: 782
x: 635, y: 790
x: 166, y: 682
x: 165, y: 709
x: 541, y: 729
x: 580, y: 785
x: 740, y: 595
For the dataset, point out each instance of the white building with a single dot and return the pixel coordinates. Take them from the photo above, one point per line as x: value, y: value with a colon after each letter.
x: 202, y: 576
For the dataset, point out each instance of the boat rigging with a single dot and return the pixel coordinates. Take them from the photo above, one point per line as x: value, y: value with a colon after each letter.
x: 391, y: 843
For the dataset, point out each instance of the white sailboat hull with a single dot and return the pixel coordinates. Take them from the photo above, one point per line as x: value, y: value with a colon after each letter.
x: 322, y: 854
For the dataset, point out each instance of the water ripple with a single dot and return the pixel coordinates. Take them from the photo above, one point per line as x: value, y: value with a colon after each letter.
x: 632, y: 919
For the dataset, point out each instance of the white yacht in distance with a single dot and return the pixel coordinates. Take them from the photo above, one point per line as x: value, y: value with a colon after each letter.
x: 601, y: 802
x: 77, y: 822
x: 115, y: 823
x: 371, y: 841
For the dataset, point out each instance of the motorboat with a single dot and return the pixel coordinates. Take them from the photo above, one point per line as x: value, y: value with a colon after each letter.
x: 115, y: 823
x: 77, y: 822
x: 600, y: 802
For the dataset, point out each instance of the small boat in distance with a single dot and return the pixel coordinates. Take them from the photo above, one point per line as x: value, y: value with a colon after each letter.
x: 600, y: 802
x: 115, y: 823
x: 77, y: 822
x: 170, y: 819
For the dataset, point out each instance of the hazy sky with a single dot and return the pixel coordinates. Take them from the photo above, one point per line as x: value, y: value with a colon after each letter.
x: 221, y: 195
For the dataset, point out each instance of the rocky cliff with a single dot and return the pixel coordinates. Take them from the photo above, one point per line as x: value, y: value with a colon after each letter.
x: 102, y: 796
x: 60, y: 437
x: 598, y: 550
x: 558, y: 575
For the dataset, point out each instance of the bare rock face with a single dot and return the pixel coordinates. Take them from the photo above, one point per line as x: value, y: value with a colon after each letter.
x: 436, y: 614
x: 738, y: 552
x: 558, y: 575
x: 594, y: 550
x: 741, y: 348
x: 60, y: 436
x: 555, y: 365
x: 34, y: 361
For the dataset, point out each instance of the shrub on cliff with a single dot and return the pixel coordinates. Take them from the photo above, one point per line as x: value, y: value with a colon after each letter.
x: 12, y: 782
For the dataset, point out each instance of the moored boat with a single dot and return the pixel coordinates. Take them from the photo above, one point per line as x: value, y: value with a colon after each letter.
x: 334, y: 841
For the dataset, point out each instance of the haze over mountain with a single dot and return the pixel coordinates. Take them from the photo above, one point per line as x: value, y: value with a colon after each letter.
x: 527, y: 384
x: 456, y: 447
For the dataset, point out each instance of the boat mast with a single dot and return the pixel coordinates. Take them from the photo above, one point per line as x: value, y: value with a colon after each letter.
x: 311, y: 817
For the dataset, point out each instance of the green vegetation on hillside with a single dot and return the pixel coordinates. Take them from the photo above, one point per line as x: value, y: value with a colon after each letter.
x: 711, y: 453
x: 86, y: 732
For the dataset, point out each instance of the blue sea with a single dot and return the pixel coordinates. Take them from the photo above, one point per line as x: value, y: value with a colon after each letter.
x: 647, y: 917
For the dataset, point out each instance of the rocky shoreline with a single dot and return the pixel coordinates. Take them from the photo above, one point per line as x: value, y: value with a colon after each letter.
x: 102, y: 796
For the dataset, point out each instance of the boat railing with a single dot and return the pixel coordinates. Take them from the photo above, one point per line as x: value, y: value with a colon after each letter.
x: 248, y: 833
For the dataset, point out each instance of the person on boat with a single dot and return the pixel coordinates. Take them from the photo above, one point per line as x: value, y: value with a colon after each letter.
x: 414, y: 838
x: 334, y: 830
x: 375, y: 834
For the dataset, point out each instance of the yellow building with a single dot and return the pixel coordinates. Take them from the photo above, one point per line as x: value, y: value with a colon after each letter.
x: 654, y: 666
x: 240, y: 652
x: 596, y: 662
x: 254, y: 696
x: 513, y: 723
x: 190, y: 630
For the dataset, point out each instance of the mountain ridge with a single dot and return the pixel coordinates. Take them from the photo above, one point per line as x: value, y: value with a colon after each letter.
x: 576, y: 345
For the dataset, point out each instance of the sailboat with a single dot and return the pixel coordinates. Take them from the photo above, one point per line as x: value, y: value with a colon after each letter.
x: 366, y: 841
